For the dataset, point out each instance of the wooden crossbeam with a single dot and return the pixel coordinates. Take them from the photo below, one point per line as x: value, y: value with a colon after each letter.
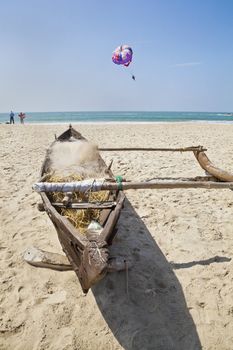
x: 86, y: 205
x: 182, y: 149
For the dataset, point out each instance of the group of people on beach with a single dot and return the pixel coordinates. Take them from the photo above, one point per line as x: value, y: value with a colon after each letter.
x: 21, y: 115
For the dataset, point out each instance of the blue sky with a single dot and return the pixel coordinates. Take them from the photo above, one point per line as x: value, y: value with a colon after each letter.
x: 56, y: 55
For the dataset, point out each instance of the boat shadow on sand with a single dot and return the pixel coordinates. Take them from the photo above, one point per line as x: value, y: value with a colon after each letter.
x: 153, y: 315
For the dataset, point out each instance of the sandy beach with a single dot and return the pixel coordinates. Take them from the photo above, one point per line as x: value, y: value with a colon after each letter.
x: 180, y: 288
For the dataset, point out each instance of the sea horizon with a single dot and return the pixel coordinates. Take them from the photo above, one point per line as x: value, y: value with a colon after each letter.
x: 120, y: 117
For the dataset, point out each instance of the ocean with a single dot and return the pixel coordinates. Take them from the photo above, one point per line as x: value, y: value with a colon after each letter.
x: 109, y: 117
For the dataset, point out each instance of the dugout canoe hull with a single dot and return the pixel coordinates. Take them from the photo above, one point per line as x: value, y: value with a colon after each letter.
x: 88, y: 254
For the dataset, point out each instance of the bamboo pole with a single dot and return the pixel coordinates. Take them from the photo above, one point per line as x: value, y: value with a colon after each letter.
x: 171, y: 185
x: 199, y: 178
x: 182, y: 149
x: 96, y: 186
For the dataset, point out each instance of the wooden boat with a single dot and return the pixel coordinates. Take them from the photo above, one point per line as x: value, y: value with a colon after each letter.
x: 88, y: 254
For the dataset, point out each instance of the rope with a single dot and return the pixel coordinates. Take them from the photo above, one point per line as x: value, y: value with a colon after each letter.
x: 119, y: 180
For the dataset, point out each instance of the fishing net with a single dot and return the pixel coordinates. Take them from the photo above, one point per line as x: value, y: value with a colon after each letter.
x: 80, y: 218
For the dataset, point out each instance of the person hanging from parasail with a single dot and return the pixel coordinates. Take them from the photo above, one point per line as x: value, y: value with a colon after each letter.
x: 123, y: 55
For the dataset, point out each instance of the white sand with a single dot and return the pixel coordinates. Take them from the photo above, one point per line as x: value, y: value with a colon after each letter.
x: 181, y: 243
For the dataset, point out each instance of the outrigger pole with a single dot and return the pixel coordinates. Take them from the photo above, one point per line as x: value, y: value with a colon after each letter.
x: 181, y: 149
x: 216, y: 179
x: 100, y: 185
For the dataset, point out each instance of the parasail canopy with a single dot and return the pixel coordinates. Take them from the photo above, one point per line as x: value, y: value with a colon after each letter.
x: 122, y: 55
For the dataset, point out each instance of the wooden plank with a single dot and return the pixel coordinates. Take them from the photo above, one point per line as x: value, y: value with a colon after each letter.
x: 86, y: 205
x: 40, y: 258
x: 48, y: 260
x: 108, y: 233
x: 63, y: 224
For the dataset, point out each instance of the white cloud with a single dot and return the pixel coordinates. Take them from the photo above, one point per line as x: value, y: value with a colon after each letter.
x: 187, y: 64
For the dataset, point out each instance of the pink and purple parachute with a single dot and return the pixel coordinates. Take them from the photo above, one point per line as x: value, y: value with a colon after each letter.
x: 122, y: 55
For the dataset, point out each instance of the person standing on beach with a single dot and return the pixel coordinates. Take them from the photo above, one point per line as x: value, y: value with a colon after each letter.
x: 12, y: 120
x: 21, y: 116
